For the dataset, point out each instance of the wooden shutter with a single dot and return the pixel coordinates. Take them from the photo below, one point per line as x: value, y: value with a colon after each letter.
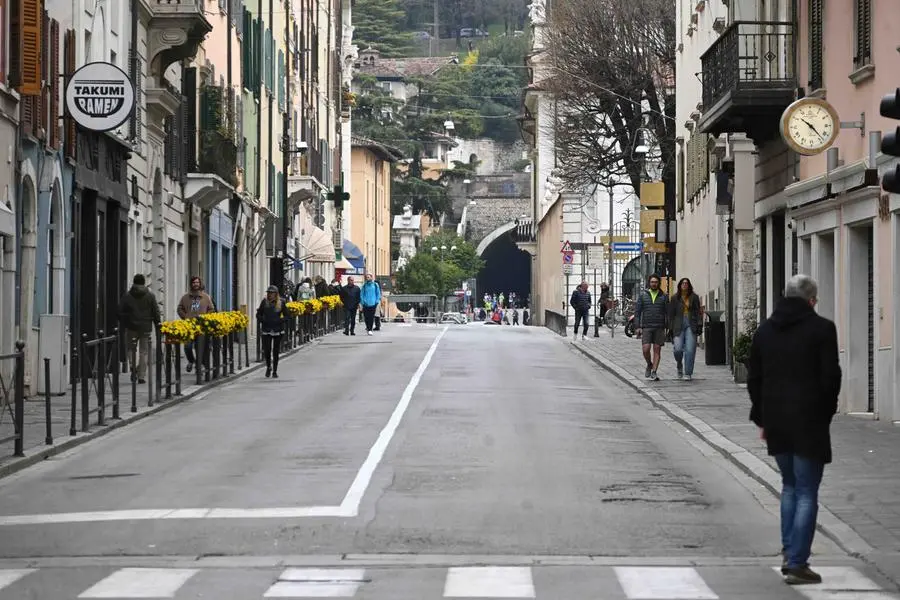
x: 189, y: 91
x: 24, y: 26
x: 863, y: 33
x: 69, y: 68
x: 55, y: 85
x: 815, y: 18
x: 43, y: 103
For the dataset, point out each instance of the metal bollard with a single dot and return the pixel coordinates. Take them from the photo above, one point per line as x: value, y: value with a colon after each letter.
x: 158, y: 356
x: 134, y: 381
x: 73, y: 376
x: 19, y: 401
x: 177, y: 352
x: 101, y: 379
x: 115, y: 374
x: 85, y: 390
x: 168, y: 371
x: 49, y: 437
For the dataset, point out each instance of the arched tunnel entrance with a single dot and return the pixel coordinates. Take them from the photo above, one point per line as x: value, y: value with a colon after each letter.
x: 506, y: 269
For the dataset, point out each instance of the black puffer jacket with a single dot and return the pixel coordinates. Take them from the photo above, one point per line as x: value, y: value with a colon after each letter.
x: 650, y: 314
x: 138, y: 310
x: 794, y: 380
x: 580, y: 300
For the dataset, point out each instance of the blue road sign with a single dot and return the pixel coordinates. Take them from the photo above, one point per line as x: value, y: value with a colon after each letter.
x: 627, y: 246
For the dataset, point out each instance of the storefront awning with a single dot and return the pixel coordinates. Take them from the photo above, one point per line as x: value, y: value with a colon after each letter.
x: 353, y: 254
x: 317, y: 246
x: 344, y: 264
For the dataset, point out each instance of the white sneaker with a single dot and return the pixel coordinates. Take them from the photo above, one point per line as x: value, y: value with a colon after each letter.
x: 583, y: 337
x: 369, y: 333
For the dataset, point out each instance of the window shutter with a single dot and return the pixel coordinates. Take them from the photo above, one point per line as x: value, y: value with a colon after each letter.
x: 863, y: 33
x: 246, y: 44
x: 815, y: 44
x: 280, y: 77
x: 189, y: 91
x: 69, y: 67
x: 54, y: 84
x: 43, y: 103
x: 25, y: 40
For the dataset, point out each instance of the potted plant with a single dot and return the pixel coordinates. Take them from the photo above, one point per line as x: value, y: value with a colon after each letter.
x: 740, y: 352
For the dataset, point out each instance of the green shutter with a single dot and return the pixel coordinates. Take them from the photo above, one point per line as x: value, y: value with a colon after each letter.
x: 280, y: 78
x: 247, y: 51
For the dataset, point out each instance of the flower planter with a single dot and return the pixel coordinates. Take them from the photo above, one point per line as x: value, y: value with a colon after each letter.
x: 740, y: 372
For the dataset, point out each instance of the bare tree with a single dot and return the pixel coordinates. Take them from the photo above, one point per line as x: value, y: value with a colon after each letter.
x: 614, y: 74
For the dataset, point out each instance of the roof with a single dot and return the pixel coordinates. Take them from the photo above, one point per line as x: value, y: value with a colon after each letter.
x: 414, y: 222
x: 405, y: 68
x: 384, y: 151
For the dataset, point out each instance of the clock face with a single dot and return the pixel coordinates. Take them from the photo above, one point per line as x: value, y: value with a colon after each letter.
x: 810, y: 126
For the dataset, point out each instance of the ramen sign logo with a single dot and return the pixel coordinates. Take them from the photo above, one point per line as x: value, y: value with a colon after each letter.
x: 99, y: 96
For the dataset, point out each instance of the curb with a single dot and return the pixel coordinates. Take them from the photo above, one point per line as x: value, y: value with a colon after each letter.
x: 828, y: 524
x: 193, y: 392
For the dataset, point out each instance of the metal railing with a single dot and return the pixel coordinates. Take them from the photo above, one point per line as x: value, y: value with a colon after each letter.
x: 12, y: 397
x: 96, y: 372
x: 749, y: 55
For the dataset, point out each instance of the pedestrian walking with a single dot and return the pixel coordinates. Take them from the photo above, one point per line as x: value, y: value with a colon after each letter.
x: 515, y: 313
x: 794, y: 378
x: 603, y: 303
x: 581, y: 302
x: 270, y: 316
x: 138, y: 313
x: 370, y: 298
x: 685, y: 325
x: 651, y: 315
x: 350, y: 299
x: 193, y: 304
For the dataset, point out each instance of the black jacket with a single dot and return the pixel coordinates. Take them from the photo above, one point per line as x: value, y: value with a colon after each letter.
x: 138, y: 310
x: 676, y: 314
x: 271, y: 318
x: 649, y: 314
x: 794, y: 380
x: 581, y: 301
x: 350, y: 297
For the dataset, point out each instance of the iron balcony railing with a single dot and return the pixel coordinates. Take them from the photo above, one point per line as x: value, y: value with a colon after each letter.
x: 750, y: 55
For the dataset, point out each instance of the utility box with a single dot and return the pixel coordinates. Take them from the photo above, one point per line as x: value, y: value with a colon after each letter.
x: 54, y: 344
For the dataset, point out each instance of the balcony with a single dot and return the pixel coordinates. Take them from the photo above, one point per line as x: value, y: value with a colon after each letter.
x: 175, y: 29
x: 305, y: 179
x: 749, y: 79
x: 212, y: 162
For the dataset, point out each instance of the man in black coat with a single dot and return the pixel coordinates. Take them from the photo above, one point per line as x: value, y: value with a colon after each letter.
x: 794, y: 381
x: 581, y: 302
x: 350, y: 299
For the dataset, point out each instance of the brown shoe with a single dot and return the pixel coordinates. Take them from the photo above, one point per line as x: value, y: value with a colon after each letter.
x: 802, y: 576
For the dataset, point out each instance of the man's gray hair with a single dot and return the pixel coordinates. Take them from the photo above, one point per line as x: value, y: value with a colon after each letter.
x: 801, y: 286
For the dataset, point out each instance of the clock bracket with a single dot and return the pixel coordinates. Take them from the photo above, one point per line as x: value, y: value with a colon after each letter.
x: 861, y: 124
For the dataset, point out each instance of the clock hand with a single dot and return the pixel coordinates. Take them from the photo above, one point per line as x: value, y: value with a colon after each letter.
x: 808, y: 124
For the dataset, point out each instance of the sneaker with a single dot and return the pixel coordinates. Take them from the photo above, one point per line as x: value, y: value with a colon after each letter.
x: 274, y: 374
x: 784, y: 563
x: 369, y: 333
x: 189, y: 367
x: 680, y: 372
x: 802, y: 576
x: 346, y: 332
x: 142, y: 381
x: 688, y: 377
x: 583, y: 337
x: 268, y: 372
x: 653, y: 376
x: 647, y: 372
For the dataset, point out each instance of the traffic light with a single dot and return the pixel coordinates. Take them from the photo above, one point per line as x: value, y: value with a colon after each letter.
x: 338, y: 196
x: 890, y: 143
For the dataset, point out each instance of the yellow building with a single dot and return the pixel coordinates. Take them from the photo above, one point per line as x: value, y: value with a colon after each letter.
x: 370, y: 202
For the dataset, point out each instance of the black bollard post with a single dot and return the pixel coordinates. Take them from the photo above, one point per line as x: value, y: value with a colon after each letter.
x: 19, y: 400
x: 48, y: 439
x: 101, y: 378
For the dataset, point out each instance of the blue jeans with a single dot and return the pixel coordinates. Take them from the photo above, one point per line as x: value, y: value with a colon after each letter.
x: 686, y: 348
x: 800, y: 479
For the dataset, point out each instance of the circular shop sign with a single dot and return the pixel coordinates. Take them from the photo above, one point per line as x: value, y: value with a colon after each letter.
x: 99, y: 96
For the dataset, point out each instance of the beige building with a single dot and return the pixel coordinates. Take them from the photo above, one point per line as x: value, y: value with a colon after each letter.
x: 370, y: 202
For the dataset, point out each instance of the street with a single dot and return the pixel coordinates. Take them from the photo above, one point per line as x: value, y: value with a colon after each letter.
x: 423, y: 462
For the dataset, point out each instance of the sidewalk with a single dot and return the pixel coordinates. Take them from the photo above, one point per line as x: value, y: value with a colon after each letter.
x: 860, y: 494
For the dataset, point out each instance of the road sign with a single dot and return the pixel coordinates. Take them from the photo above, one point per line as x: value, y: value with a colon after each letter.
x: 568, y: 258
x: 566, y: 248
x: 595, y: 259
x: 627, y: 246
x: 567, y: 269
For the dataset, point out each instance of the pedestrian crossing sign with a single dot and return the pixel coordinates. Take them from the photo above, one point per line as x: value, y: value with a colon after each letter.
x: 567, y: 248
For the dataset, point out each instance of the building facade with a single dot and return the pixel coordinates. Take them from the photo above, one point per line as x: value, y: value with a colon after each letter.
x: 752, y: 211
x: 371, y: 211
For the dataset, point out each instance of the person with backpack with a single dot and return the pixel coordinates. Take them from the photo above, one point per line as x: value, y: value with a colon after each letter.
x: 370, y: 299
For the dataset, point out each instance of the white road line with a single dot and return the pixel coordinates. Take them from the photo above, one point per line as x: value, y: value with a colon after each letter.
x: 349, y: 506
x: 489, y: 582
x: 663, y: 583
x: 317, y: 583
x: 843, y: 579
x: 832, y: 595
x: 358, y: 488
x: 140, y: 583
x: 10, y: 576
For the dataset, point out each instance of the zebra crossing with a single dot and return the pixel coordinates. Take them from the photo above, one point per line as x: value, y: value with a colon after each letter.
x: 423, y: 583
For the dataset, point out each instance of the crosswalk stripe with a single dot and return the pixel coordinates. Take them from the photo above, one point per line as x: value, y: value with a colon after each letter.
x: 832, y: 595
x: 140, y: 583
x: 10, y: 576
x: 846, y: 579
x: 663, y: 583
x: 489, y: 582
x: 317, y: 583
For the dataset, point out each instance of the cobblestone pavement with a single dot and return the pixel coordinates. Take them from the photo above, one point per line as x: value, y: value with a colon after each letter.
x: 861, y: 487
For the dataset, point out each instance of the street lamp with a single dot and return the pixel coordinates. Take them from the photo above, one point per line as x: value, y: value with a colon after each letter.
x: 442, y: 249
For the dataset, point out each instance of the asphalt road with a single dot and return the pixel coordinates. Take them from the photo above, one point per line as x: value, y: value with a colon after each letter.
x: 423, y: 462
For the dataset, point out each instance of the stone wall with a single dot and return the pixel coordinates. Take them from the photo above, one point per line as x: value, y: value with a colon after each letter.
x: 495, y: 157
x: 490, y: 213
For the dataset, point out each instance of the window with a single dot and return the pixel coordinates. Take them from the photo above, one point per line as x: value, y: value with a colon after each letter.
x: 87, y: 46
x: 863, y: 47
x: 816, y: 20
